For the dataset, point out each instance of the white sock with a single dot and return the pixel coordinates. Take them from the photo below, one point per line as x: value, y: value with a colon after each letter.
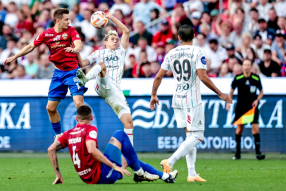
x: 129, y: 133
x: 165, y: 176
x: 93, y: 72
x: 191, y: 160
x: 139, y: 172
x: 189, y: 144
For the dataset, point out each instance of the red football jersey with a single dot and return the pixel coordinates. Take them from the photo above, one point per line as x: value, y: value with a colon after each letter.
x: 87, y: 167
x: 57, y: 42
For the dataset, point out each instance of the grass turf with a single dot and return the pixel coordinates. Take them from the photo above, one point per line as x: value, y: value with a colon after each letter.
x: 32, y: 171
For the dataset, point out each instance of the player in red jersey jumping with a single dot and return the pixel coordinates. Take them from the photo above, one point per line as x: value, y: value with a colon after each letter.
x: 91, y: 165
x: 63, y: 42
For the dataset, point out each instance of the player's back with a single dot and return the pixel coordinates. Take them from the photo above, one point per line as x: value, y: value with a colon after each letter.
x: 57, y: 42
x: 114, y: 61
x: 184, y: 61
x: 87, y: 167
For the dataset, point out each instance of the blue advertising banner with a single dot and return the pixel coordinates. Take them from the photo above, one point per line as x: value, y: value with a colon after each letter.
x: 24, y: 124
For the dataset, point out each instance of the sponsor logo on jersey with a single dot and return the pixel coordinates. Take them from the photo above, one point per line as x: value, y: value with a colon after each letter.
x: 57, y: 42
x: 75, y: 140
x: 57, y: 38
x: 111, y: 58
x: 200, y: 123
x: 84, y: 172
x: 114, y: 67
x: 93, y: 134
x: 49, y: 34
x: 203, y: 60
x: 65, y: 36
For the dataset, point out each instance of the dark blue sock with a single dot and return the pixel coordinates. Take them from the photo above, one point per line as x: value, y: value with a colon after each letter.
x: 57, y: 127
x: 150, y: 169
x: 127, y: 149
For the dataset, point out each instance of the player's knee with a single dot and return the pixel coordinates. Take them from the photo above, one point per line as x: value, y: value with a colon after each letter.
x: 128, y: 124
x: 78, y: 104
x: 51, y: 109
x: 120, y: 135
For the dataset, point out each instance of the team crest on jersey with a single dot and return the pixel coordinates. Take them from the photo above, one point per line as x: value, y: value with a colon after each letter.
x: 203, y: 60
x: 65, y: 36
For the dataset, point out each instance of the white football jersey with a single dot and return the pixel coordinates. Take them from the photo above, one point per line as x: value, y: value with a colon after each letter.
x: 114, y: 61
x: 184, y: 61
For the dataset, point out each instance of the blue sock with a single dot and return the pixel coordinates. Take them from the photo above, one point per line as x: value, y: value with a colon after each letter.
x: 150, y: 169
x: 57, y: 127
x: 127, y: 149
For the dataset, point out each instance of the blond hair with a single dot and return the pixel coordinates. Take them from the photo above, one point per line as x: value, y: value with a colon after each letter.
x: 110, y: 32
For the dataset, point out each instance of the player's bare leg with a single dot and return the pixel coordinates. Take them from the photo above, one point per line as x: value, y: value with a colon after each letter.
x: 256, y: 135
x: 238, y: 134
x: 127, y: 122
x: 78, y: 100
x: 54, y: 117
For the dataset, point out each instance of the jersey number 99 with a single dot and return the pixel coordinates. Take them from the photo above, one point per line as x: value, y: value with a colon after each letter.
x: 181, y: 71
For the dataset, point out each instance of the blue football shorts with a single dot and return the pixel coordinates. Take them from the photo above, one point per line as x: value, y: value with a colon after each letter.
x: 61, y: 81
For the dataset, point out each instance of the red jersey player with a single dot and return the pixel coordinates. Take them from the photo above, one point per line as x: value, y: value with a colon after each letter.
x: 63, y: 42
x: 91, y: 165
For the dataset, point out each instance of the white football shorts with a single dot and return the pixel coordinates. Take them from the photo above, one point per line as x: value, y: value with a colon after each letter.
x: 112, y: 95
x: 192, y: 118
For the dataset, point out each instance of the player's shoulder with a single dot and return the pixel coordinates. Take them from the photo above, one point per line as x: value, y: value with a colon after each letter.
x: 92, y: 132
x: 239, y: 76
x: 255, y: 76
x: 70, y: 28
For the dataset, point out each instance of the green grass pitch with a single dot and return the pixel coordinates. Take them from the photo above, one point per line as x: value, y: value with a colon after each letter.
x: 32, y: 171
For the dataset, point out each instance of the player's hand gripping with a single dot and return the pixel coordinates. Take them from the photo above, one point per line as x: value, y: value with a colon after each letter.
x: 153, y: 102
x: 225, y: 97
x: 10, y: 59
x: 227, y: 106
x: 121, y: 170
x: 59, y: 179
x: 107, y: 13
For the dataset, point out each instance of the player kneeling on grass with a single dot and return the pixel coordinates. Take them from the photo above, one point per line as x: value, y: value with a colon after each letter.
x: 91, y: 165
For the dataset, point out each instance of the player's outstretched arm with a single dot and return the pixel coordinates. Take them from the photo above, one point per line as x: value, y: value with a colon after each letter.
x: 91, y: 148
x: 157, y: 81
x: 207, y: 81
x: 82, y: 63
x: 52, y: 151
x: 121, y: 26
x: 27, y: 49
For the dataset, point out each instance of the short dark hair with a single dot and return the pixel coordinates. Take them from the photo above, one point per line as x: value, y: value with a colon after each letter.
x: 213, y: 41
x: 58, y: 13
x: 202, y: 35
x: 186, y: 33
x: 84, y: 112
x: 254, y: 9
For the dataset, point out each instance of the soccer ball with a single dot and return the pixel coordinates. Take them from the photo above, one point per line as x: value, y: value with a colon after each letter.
x: 98, y: 20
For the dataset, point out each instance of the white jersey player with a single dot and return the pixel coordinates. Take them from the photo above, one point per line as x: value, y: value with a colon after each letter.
x: 188, y: 65
x: 108, y: 72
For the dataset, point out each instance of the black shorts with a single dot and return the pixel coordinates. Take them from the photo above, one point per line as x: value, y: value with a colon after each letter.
x: 242, y: 108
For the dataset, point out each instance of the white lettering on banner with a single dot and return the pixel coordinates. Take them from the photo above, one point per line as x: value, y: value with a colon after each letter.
x: 225, y: 143
x: 277, y: 110
x: 160, y: 118
x: 160, y: 113
x: 5, y: 142
x: 24, y: 117
x: 230, y: 115
x: 5, y: 116
x: 169, y: 142
x: 216, y: 104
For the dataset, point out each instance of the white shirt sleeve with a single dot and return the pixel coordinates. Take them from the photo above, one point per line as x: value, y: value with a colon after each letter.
x: 201, y: 62
x: 166, y: 63
x: 93, y: 57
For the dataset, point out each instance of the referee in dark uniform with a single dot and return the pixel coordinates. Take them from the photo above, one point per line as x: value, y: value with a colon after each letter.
x: 247, y: 83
